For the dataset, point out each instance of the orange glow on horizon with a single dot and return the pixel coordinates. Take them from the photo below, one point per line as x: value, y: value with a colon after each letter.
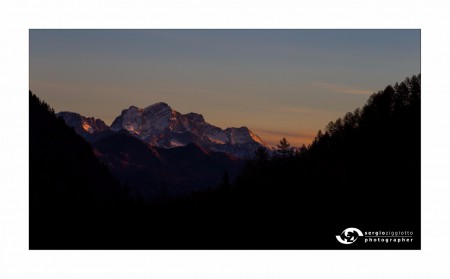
x: 295, y: 141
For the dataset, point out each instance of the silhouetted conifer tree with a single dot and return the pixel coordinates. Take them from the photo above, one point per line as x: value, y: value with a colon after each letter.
x: 284, y: 148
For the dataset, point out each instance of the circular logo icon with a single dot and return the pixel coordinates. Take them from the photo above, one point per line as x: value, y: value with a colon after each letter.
x: 349, y: 235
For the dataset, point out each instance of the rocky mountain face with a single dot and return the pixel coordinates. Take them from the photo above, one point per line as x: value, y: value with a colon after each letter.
x: 89, y: 128
x: 161, y: 126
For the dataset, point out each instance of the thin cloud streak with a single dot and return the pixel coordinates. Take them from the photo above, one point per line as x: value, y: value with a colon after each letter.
x: 303, y: 110
x: 340, y: 88
x: 283, y: 133
x: 273, y: 137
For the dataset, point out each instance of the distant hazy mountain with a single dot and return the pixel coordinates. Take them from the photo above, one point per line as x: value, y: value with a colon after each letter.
x: 161, y: 126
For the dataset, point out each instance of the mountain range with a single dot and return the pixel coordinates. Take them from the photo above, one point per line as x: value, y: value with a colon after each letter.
x: 161, y: 126
x: 157, y: 151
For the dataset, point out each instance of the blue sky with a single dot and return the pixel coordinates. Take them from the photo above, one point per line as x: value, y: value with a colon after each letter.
x: 279, y: 83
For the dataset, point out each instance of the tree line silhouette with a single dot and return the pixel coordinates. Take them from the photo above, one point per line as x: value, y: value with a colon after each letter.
x: 362, y: 171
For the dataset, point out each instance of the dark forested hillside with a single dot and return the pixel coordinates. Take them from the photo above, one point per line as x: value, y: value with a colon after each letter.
x: 69, y: 188
x: 154, y: 171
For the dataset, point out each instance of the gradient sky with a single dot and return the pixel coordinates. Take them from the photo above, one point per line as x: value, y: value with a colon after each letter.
x: 279, y: 83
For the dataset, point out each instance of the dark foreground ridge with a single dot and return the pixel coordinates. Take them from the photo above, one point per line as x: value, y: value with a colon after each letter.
x: 362, y: 172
